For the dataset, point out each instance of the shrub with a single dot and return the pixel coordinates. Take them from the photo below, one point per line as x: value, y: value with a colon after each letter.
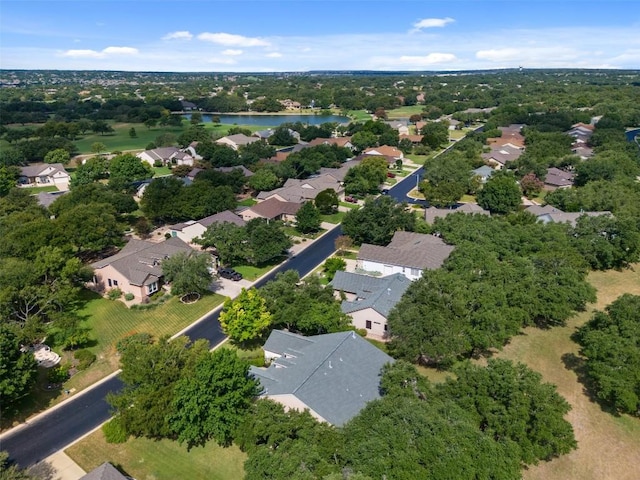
x: 58, y: 374
x: 114, y: 294
x: 128, y: 296
x: 139, y: 338
x: 85, y: 358
x: 332, y: 265
x: 114, y: 432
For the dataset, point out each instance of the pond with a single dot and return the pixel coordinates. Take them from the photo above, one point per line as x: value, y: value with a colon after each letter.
x: 273, y: 120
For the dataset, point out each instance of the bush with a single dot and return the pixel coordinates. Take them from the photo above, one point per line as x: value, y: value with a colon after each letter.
x: 58, y: 374
x: 332, y: 265
x: 129, y: 296
x: 139, y: 338
x: 85, y: 358
x: 114, y: 432
x: 114, y: 294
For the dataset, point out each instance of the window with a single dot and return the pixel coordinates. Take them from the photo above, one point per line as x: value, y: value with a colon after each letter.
x: 115, y: 283
x: 153, y: 288
x: 368, y: 324
x: 386, y: 327
x: 109, y: 282
x: 415, y: 272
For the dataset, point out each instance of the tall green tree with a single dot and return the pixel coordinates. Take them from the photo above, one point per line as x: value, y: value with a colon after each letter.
x: 127, y: 168
x: 327, y: 201
x: 246, y: 318
x: 377, y: 221
x: 308, y: 218
x: 229, y: 241
x: 211, y: 401
x: 187, y: 273
x: 18, y: 369
x: 266, y: 240
x: 59, y: 155
x: 501, y: 194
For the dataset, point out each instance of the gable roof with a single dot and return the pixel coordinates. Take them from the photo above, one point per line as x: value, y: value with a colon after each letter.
x: 484, y: 171
x: 245, y: 171
x: 227, y: 216
x: 164, y: 153
x: 385, y: 150
x: 568, y: 217
x: 106, y: 471
x: 238, y: 139
x: 431, y: 213
x: 408, y: 249
x: 335, y: 375
x: 502, y: 154
x: 379, y: 294
x: 139, y: 260
x: 339, y: 141
x: 47, y: 169
x: 538, y: 210
x: 558, y: 178
x: 295, y: 190
x: 272, y: 208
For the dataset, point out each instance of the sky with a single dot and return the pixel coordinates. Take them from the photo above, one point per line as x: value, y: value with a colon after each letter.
x: 304, y: 35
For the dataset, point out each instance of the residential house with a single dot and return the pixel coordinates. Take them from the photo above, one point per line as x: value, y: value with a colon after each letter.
x: 549, y: 213
x: 188, y: 106
x: 385, y: 150
x: 45, y: 174
x: 290, y: 104
x: 557, y: 178
x: 338, y: 141
x: 300, y: 191
x: 264, y: 134
x: 168, y: 156
x: 45, y: 199
x: 431, y: 213
x: 339, y: 173
x: 484, y: 173
x: 415, y: 139
x: 510, y: 135
x: 499, y: 156
x: 188, y: 231
x: 106, y: 471
x: 400, y: 126
x: 408, y: 253
x: 193, y: 173
x: 136, y: 269
x: 369, y: 300
x: 236, y: 141
x: 272, y: 209
x: 245, y: 171
x: 333, y: 376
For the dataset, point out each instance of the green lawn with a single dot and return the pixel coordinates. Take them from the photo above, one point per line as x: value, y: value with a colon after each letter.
x: 349, y: 205
x: 161, y: 171
x: 334, y: 218
x: 47, y: 188
x: 247, y: 202
x: 404, y: 112
x: 147, y: 459
x: 359, y: 115
x: 252, y: 272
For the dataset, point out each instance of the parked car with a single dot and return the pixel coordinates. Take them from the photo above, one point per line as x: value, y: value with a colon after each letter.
x: 385, y: 191
x: 391, y: 175
x: 230, y: 273
x: 350, y: 199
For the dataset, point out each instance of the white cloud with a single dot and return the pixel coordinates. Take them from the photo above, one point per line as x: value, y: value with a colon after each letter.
x: 274, y: 55
x: 498, y: 54
x: 181, y: 35
x: 100, y: 54
x: 232, y: 52
x: 231, y: 40
x: 432, y: 23
x: 431, y: 59
x: 221, y: 60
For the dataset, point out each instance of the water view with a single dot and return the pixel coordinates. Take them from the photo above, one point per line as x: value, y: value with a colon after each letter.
x: 273, y: 120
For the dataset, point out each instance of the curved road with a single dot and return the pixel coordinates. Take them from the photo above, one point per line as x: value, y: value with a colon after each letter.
x: 36, y: 440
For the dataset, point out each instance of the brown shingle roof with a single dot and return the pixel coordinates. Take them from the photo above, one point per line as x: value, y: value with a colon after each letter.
x: 273, y: 208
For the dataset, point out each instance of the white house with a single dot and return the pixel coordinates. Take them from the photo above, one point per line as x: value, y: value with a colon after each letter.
x: 45, y: 174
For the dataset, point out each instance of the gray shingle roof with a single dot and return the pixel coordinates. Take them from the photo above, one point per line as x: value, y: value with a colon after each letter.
x: 380, y: 294
x: 568, y: 217
x: 431, y: 213
x: 335, y: 374
x: 106, y: 471
x: 408, y: 249
x: 36, y: 170
x: 139, y: 261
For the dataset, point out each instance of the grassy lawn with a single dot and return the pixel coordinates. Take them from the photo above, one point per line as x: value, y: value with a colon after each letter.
x: 468, y: 199
x: 608, y: 445
x: 161, y: 171
x: 359, y: 115
x: 253, y: 272
x: 349, y: 205
x: 456, y: 134
x: 334, y: 218
x: 146, y: 459
x: 247, y: 202
x: 404, y: 112
x: 47, y: 188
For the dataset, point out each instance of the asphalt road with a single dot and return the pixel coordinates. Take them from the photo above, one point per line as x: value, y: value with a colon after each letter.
x: 44, y: 436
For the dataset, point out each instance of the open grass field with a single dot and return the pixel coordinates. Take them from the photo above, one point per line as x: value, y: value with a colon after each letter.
x: 253, y: 272
x: 359, y: 115
x: 404, y: 112
x: 146, y: 459
x: 334, y: 218
x: 608, y: 445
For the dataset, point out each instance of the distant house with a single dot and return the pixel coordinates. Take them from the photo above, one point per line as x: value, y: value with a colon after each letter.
x: 167, y: 156
x: 290, y: 104
x: 245, y: 171
x: 557, y: 178
x: 188, y: 231
x: 188, y: 106
x: 408, y: 253
x: 338, y: 141
x: 339, y: 173
x: 236, y: 141
x: 415, y: 139
x: 272, y: 209
x: 484, y: 173
x: 369, y: 300
x: 136, y: 269
x: 401, y: 127
x: 106, y: 471
x: 300, y: 191
x: 499, y: 156
x: 385, y: 150
x: 548, y: 213
x: 431, y: 213
x: 333, y: 376
x: 44, y: 174
x: 510, y: 135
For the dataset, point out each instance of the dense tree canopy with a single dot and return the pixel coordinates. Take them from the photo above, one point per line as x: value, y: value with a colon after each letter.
x: 610, y: 342
x: 501, y: 194
x: 18, y: 369
x: 188, y: 273
x: 245, y: 318
x: 308, y: 218
x: 377, y: 221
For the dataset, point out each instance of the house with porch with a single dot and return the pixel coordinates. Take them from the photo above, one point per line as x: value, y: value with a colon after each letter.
x: 408, y: 253
x: 333, y: 376
x: 188, y: 231
x: 369, y: 300
x: 169, y: 156
x: 272, y: 209
x: 45, y: 174
x: 136, y: 269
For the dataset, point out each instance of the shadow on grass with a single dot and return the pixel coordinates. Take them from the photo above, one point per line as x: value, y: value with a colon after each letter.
x: 578, y: 365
